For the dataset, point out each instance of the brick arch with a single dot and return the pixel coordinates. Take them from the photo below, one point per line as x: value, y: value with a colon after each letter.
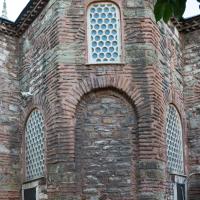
x: 118, y: 83
x: 37, y: 101
x: 175, y: 98
x: 41, y: 103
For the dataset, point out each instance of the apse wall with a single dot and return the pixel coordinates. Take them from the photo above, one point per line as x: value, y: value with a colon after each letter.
x: 103, y: 89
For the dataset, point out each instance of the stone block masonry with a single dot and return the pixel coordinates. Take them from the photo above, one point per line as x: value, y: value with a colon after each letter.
x: 106, y: 146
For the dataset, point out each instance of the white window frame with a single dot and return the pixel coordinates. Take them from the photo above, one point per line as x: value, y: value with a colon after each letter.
x: 118, y: 29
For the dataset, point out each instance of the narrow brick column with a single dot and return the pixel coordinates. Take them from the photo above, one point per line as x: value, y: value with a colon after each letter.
x: 9, y: 120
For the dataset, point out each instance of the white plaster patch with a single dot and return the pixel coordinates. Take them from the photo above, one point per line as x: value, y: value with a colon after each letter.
x: 3, y: 149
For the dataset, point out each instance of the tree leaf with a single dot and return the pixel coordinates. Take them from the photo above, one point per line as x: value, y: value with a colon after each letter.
x: 159, y: 9
x: 182, y: 7
x: 168, y: 11
x: 168, y: 8
x: 179, y: 8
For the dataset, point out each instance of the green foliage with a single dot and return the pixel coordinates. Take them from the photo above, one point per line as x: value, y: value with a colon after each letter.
x: 165, y: 9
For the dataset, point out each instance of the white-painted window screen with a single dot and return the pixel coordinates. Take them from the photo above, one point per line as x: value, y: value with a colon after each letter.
x: 104, y: 36
x: 34, y: 143
x: 174, y: 141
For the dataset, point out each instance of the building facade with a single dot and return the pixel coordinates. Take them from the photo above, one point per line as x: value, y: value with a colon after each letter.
x: 99, y: 102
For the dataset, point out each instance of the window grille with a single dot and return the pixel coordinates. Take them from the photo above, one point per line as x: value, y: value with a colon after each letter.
x: 174, y: 141
x: 104, y: 33
x: 34, y: 140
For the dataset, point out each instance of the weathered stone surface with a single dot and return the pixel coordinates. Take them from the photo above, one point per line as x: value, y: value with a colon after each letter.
x: 104, y: 167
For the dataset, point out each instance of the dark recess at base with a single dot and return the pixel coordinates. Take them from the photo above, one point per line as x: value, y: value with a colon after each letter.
x: 30, y: 194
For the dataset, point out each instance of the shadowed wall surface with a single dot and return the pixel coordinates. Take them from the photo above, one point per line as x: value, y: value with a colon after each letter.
x: 105, y: 154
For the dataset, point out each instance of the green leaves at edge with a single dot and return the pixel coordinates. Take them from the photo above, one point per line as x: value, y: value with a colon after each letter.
x: 158, y: 9
x: 168, y: 8
x: 179, y: 7
x: 168, y: 12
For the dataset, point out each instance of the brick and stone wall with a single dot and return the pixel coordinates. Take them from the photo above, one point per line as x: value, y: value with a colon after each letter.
x: 10, y: 166
x: 104, y: 123
x: 39, y: 76
x: 171, y: 69
x: 192, y: 104
x: 54, y: 68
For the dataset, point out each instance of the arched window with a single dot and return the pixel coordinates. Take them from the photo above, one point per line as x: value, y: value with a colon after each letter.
x: 34, y: 144
x: 174, y: 141
x: 104, y: 38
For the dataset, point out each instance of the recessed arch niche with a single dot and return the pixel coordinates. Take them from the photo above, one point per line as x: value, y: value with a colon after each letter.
x: 106, y: 145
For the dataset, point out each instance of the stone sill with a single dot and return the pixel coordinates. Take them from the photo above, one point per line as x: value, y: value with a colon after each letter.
x: 38, y: 179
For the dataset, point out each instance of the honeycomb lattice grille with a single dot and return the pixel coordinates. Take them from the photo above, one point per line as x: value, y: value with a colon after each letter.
x: 104, y: 33
x: 174, y: 141
x: 34, y: 139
